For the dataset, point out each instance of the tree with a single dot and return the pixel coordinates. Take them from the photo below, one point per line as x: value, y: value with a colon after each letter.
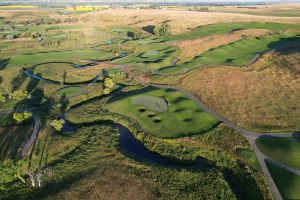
x: 21, y: 116
x: 57, y: 124
x: 163, y: 30
x: 19, y: 95
x: 2, y: 98
x: 138, y: 35
x: 13, y: 170
x: 109, y: 84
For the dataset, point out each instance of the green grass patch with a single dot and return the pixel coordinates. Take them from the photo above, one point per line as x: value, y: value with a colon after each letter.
x: 287, y: 182
x: 69, y: 55
x: 69, y: 91
x: 181, y: 110
x: 284, y: 150
x: 249, y: 157
x: 239, y: 53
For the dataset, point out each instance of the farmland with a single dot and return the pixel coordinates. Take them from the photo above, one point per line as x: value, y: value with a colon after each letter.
x: 109, y: 102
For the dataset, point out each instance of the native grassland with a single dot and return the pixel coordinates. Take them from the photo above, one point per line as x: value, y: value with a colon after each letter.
x: 262, y: 97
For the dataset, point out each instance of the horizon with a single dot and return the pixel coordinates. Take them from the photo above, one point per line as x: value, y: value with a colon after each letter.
x: 192, y: 2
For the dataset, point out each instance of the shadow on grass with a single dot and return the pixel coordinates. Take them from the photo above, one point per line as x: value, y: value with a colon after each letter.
x: 4, y: 63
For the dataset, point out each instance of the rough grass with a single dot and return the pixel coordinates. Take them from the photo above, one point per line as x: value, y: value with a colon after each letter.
x: 12, y: 140
x: 268, y: 94
x: 182, y: 111
x: 284, y: 150
x: 287, y: 182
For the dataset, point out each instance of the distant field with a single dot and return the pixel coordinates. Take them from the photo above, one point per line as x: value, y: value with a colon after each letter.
x: 222, y: 28
x: 181, y: 110
x: 287, y: 182
x: 284, y: 150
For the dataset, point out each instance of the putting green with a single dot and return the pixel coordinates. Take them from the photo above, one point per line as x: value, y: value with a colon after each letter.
x: 164, y: 113
x: 151, y: 102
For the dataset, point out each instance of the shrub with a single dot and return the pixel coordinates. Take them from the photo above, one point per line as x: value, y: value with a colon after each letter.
x: 163, y: 30
x: 109, y: 84
x: 19, y: 95
x: 22, y: 116
x: 57, y: 124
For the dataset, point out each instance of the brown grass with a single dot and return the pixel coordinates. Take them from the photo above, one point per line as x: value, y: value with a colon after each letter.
x: 192, y: 48
x: 179, y: 20
x: 112, y: 183
x: 262, y: 98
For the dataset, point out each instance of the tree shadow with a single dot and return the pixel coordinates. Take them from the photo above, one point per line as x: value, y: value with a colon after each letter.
x: 149, y: 29
x: 4, y: 63
x: 285, y: 43
x: 296, y: 136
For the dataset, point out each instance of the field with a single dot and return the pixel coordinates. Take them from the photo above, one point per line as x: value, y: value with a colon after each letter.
x: 158, y: 110
x: 284, y: 150
x: 101, y: 130
x: 267, y: 90
x: 287, y: 182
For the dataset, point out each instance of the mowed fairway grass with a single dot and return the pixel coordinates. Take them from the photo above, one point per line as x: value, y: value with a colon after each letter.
x: 164, y: 113
x: 68, y: 55
x: 222, y: 28
x: 244, y: 50
x: 69, y: 91
x: 287, y: 182
x: 284, y: 150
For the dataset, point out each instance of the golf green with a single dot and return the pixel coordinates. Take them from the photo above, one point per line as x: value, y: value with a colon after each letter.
x: 165, y: 113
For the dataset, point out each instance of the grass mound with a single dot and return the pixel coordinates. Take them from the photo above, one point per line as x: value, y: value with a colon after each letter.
x: 148, y: 106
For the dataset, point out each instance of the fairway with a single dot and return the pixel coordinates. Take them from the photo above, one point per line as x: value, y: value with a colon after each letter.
x: 288, y: 183
x: 69, y: 55
x: 284, y: 150
x: 69, y: 91
x: 158, y: 120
